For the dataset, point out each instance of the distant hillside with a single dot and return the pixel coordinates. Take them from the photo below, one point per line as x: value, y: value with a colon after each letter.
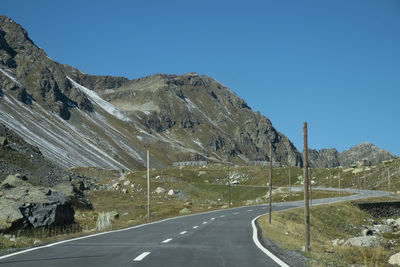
x: 84, y: 120
x: 365, y: 153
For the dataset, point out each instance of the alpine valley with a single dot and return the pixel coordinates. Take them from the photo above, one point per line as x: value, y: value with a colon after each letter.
x: 76, y: 119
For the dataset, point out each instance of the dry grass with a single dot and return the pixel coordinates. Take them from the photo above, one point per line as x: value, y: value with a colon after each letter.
x: 327, y: 222
x: 204, y: 189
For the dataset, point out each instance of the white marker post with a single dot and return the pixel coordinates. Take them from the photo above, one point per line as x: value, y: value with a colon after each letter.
x: 148, y: 186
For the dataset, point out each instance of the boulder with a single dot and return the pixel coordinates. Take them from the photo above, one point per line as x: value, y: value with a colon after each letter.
x: 160, y: 190
x: 75, y: 196
x: 381, y: 228
x: 3, y: 141
x: 10, y: 216
x: 56, y: 210
x: 126, y: 183
x: 116, y: 186
x: 395, y: 259
x: 392, y: 222
x: 175, y: 193
x: 23, y: 205
x: 114, y: 215
x: 337, y: 242
x: 367, y: 232
x: 363, y: 241
x: 185, y: 211
x: 13, y: 181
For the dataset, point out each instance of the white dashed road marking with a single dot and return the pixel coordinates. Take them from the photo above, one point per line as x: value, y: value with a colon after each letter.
x: 183, y: 232
x: 141, y: 256
x: 236, y: 213
x: 222, y: 216
x: 213, y: 218
x: 166, y: 240
x: 194, y: 227
x: 204, y: 222
x: 249, y: 210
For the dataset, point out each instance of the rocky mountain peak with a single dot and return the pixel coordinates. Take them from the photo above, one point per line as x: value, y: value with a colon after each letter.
x: 364, y: 152
x: 191, y: 116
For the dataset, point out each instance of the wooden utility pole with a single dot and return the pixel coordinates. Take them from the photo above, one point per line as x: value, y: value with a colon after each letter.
x: 270, y: 182
x: 339, y: 184
x: 229, y: 186
x: 310, y: 184
x: 148, y: 186
x: 307, y: 245
x: 388, y: 178
x: 365, y: 184
x: 290, y: 189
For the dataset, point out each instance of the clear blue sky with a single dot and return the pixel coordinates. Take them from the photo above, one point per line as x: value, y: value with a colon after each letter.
x: 334, y: 64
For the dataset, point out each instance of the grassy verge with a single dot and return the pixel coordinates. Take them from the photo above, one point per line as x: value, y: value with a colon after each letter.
x: 327, y: 222
x: 202, y: 190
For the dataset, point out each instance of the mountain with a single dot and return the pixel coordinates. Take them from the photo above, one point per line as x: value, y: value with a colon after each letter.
x: 365, y: 153
x: 77, y: 119
x: 323, y: 158
x: 19, y: 157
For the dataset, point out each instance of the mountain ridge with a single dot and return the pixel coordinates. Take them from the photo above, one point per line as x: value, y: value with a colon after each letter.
x: 364, y: 153
x: 111, y: 121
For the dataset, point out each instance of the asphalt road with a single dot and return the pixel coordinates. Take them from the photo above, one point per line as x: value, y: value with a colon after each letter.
x: 218, y: 238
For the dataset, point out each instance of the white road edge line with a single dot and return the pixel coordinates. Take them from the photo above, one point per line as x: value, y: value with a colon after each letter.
x: 166, y: 240
x: 263, y: 249
x: 183, y: 232
x: 146, y: 224
x: 109, y: 232
x: 141, y: 256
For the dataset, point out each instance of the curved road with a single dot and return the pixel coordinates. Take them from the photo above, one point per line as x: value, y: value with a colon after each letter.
x: 217, y: 238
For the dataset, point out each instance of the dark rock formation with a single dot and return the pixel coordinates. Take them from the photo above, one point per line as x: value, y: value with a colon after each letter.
x: 324, y: 158
x: 23, y: 205
x: 31, y: 73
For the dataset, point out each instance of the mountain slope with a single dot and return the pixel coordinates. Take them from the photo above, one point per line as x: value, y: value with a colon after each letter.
x: 362, y: 153
x: 84, y: 120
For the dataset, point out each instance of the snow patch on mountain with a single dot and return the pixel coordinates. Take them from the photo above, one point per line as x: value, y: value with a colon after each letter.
x: 10, y: 77
x: 111, y: 109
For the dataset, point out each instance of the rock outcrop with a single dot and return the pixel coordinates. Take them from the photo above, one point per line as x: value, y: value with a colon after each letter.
x: 362, y: 154
x: 323, y: 158
x: 23, y: 205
